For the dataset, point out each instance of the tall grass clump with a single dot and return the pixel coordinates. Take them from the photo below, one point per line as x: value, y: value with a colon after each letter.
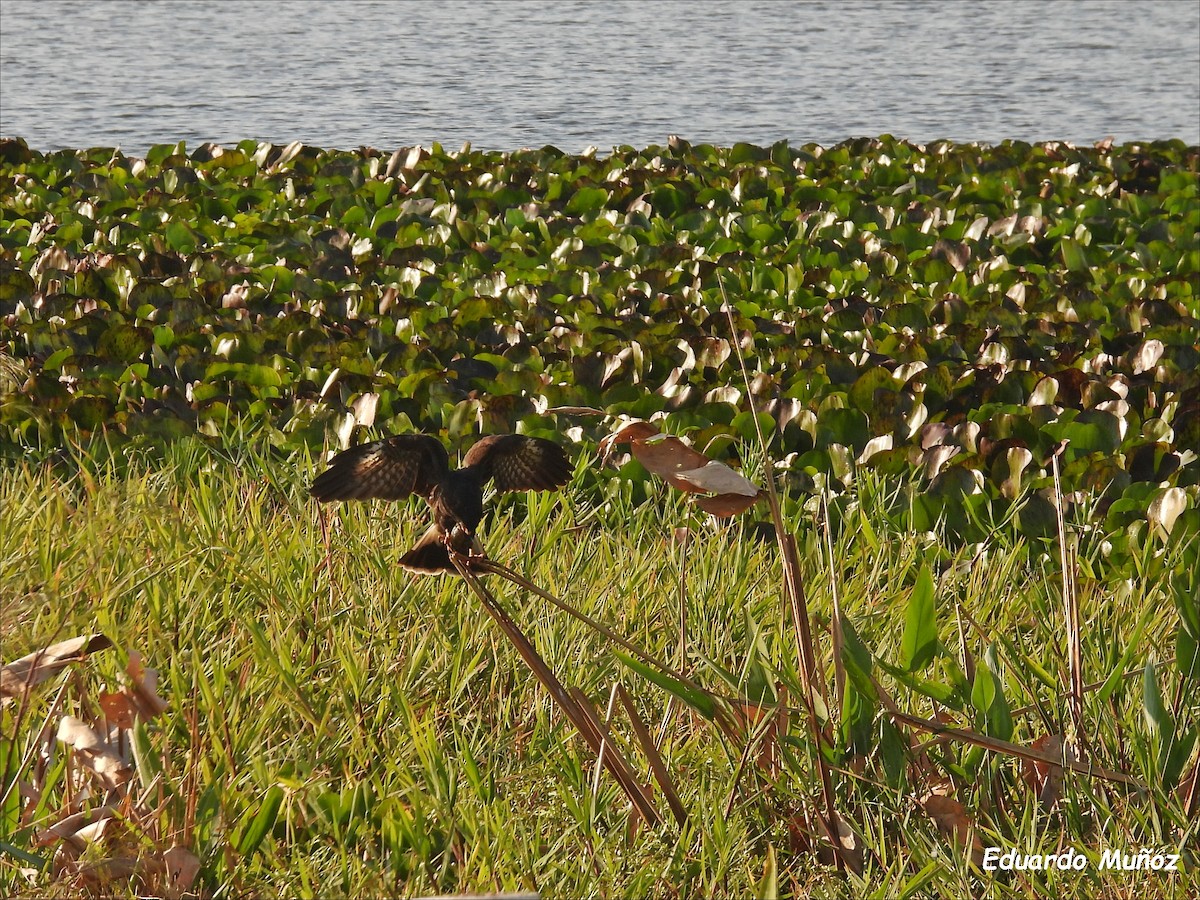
x: 333, y: 726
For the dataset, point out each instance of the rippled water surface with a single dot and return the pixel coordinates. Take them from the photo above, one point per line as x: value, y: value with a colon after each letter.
x: 505, y: 74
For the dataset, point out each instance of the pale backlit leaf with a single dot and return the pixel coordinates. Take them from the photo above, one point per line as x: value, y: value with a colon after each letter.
x: 41, y: 664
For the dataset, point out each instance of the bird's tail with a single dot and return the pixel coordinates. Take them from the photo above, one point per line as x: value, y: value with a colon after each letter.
x: 429, y: 555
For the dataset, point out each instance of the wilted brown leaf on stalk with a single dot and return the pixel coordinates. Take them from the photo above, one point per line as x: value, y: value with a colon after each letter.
x: 851, y: 848
x: 66, y: 829
x: 717, y: 478
x: 143, y: 688
x: 808, y: 836
x: 117, y: 708
x: 41, y: 664
x: 751, y: 715
x: 686, y: 469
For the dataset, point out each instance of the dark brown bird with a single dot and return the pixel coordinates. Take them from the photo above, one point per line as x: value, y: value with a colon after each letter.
x: 407, y: 464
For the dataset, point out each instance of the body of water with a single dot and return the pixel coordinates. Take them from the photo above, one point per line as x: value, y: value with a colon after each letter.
x: 504, y: 74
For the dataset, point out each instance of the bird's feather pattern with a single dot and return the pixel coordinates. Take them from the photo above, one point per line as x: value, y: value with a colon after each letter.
x: 516, y: 462
x: 400, y: 466
x: 391, y: 469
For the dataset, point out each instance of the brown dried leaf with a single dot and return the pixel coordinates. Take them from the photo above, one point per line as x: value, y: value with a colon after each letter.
x: 627, y: 434
x: 117, y: 708
x: 725, y: 505
x: 103, y: 872
x: 94, y: 753
x: 852, y: 846
x: 717, y: 478
x: 41, y: 664
x: 143, y: 688
x: 952, y: 820
x: 667, y: 457
x: 686, y: 469
x: 751, y: 716
x: 1045, y: 779
x: 68, y: 827
x: 182, y: 868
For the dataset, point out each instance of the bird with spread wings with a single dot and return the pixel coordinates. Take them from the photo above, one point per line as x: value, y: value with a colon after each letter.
x: 406, y: 464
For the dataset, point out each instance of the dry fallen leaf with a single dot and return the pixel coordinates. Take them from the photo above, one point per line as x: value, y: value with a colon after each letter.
x: 93, y: 752
x: 952, y: 820
x: 72, y: 825
x: 41, y: 664
x: 182, y: 868
x: 117, y: 708
x: 725, y: 505
x: 1045, y: 779
x: 851, y: 847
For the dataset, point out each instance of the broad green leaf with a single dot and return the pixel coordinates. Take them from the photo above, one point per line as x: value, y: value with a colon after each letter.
x: 919, y: 640
x: 255, y: 828
x: 1174, y: 748
x: 942, y: 693
x: 987, y: 696
x: 856, y: 658
x: 180, y: 237
x: 1074, y: 256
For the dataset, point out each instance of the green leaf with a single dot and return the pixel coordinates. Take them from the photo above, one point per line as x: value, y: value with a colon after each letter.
x: 1173, y: 749
x: 942, y: 693
x: 254, y: 829
x: 149, y: 764
x: 1074, y: 257
x: 1118, y: 671
x: 743, y: 424
x: 892, y: 749
x: 248, y: 373
x: 768, y: 887
x: 987, y: 696
x: 586, y: 199
x: 701, y: 702
x: 90, y: 412
x: 30, y: 859
x: 1158, y: 718
x: 1187, y: 653
x: 858, y: 718
x: 919, y: 641
x: 180, y: 237
x: 856, y: 658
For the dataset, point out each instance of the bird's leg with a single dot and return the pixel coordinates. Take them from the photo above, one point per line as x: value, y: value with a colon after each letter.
x: 476, y: 551
x: 470, y: 548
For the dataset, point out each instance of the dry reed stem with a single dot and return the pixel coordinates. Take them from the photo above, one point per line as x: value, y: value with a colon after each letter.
x: 794, y: 589
x: 658, y: 768
x: 1070, y: 611
x: 722, y: 718
x: 581, y: 715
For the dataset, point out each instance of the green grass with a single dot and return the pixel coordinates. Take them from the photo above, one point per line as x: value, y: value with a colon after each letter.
x: 417, y: 755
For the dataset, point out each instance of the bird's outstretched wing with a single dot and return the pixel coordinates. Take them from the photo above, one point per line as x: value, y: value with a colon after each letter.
x: 516, y: 462
x: 390, y: 469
